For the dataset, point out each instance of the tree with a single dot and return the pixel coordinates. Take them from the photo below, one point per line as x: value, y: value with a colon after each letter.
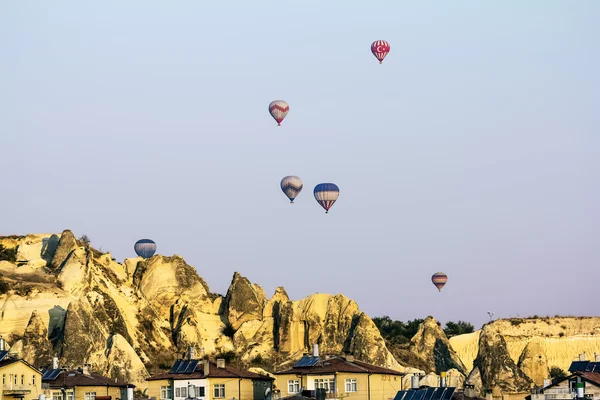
x: 458, y: 328
x: 557, y: 372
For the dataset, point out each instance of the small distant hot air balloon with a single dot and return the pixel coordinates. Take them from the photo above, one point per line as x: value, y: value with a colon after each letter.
x: 439, y: 279
x: 380, y: 49
x: 279, y: 110
x: 145, y: 248
x: 326, y: 194
x: 291, y: 186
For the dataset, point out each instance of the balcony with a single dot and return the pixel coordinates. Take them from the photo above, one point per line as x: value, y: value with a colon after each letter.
x: 11, y: 390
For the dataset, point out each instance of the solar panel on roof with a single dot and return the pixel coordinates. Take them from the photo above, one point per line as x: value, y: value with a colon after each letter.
x: 578, y: 366
x: 409, y: 395
x: 596, y: 367
x: 400, y: 395
x: 51, y: 374
x: 3, y: 354
x: 191, y: 366
x: 175, y: 366
x: 437, y: 395
x: 306, y: 361
x: 448, y: 393
x: 183, y: 367
x: 419, y: 395
x: 429, y: 393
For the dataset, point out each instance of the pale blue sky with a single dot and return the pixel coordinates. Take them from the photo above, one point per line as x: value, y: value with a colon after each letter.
x: 472, y: 150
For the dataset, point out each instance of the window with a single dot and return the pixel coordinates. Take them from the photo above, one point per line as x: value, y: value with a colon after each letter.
x: 183, y: 392
x: 294, y: 386
x: 33, y: 380
x: 200, y: 391
x: 164, y: 393
x: 56, y: 396
x: 219, y: 391
x: 70, y: 396
x: 4, y: 379
x: 350, y: 385
x: 22, y: 379
x: 15, y: 379
x: 327, y: 384
x: 89, y: 396
x: 177, y: 392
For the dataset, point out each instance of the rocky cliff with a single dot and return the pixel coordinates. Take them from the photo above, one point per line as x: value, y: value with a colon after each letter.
x: 60, y: 297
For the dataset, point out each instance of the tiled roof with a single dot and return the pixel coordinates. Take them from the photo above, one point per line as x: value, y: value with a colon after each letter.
x: 70, y: 379
x: 213, y: 372
x: 339, y: 364
x: 592, y: 377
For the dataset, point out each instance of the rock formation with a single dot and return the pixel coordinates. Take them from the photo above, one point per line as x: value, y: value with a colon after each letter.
x: 63, y: 298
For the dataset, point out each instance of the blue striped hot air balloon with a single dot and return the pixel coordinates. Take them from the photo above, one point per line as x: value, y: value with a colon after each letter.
x: 291, y: 186
x: 145, y: 248
x: 326, y: 194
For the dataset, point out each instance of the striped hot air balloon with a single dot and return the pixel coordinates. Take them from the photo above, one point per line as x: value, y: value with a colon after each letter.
x: 380, y: 49
x: 145, y: 248
x: 326, y: 194
x: 291, y: 186
x: 439, y: 279
x: 279, y: 110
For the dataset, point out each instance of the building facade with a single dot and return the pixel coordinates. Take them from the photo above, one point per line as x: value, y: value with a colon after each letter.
x: 205, y: 380
x: 340, y: 377
x: 20, y: 380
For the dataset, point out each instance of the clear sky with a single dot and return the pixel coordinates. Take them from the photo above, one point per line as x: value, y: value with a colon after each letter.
x: 473, y: 149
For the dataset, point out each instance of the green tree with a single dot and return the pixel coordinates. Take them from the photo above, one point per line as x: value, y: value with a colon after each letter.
x: 458, y: 328
x: 557, y: 372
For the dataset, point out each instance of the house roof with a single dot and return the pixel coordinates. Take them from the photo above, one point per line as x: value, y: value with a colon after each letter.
x: 338, y: 364
x: 70, y: 379
x: 213, y: 372
x: 591, y: 377
x: 7, y: 361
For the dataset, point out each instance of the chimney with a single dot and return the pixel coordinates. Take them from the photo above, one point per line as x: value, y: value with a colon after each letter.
x: 54, y: 362
x: 85, y: 369
x: 489, y: 395
x: 596, y: 357
x: 580, y: 386
x: 220, y: 363
x: 414, y: 381
x: 582, y: 357
x: 443, y: 379
x: 315, y: 350
x: 206, y: 367
x: 191, y: 352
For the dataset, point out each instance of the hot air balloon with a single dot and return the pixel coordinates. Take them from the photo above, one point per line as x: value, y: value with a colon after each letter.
x: 439, y: 279
x: 380, y: 49
x: 326, y: 194
x: 279, y: 110
x: 291, y: 186
x: 145, y: 248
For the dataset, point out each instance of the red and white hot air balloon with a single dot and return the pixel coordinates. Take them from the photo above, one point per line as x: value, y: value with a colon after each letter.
x: 279, y: 110
x: 380, y: 49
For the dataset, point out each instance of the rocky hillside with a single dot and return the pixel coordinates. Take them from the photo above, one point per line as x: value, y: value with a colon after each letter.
x: 60, y: 297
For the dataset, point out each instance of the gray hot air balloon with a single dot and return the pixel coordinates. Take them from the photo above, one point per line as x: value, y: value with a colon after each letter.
x: 291, y: 186
x: 145, y: 248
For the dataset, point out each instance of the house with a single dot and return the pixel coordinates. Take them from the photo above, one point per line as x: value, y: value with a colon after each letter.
x: 205, y: 380
x: 341, y: 377
x: 82, y: 384
x: 20, y: 380
x: 583, y: 382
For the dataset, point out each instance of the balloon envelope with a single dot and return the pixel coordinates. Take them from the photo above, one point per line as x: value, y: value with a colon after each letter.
x: 439, y: 279
x: 380, y: 49
x: 278, y: 110
x: 145, y: 248
x: 326, y: 194
x: 291, y: 186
